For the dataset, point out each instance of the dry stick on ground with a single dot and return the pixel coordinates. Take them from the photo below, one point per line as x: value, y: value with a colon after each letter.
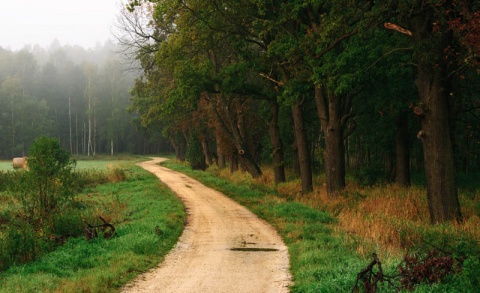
x: 91, y: 231
x: 370, y: 278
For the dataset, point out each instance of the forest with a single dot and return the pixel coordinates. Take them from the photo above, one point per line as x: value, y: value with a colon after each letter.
x: 79, y: 96
x: 381, y: 89
x: 351, y: 126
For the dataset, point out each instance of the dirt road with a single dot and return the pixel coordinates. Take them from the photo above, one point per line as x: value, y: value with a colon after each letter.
x: 224, y: 247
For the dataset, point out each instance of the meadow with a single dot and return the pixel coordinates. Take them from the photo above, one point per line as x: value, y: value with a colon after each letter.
x: 6, y: 165
x: 84, y: 163
x: 148, y: 219
x: 330, y: 240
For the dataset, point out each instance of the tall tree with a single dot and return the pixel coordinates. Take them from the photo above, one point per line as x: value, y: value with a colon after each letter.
x: 428, y: 24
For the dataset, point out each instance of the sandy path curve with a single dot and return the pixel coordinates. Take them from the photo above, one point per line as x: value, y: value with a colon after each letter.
x: 224, y: 247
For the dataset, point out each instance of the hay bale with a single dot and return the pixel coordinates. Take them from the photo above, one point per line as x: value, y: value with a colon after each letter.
x: 20, y: 163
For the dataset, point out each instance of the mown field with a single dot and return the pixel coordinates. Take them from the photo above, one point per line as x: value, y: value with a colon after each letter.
x: 84, y: 164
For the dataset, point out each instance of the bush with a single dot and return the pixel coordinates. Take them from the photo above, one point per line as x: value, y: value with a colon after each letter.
x: 370, y: 175
x: 18, y: 244
x: 49, y: 181
x: 194, y: 154
x: 68, y: 223
x: 7, y: 178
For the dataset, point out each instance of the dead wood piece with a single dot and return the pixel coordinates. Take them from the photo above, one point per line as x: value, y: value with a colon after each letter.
x: 92, y: 231
x: 397, y: 28
x: 370, y: 278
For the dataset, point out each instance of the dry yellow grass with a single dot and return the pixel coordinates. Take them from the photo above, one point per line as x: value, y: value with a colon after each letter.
x: 381, y: 218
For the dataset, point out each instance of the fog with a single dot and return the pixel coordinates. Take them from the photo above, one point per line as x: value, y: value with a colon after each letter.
x: 60, y: 76
x: 85, y: 23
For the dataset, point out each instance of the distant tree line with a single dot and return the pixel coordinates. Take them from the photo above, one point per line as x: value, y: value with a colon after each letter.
x: 76, y: 95
x: 374, y: 87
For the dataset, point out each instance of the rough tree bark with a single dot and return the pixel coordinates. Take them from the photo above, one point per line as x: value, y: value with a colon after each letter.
x: 330, y: 113
x: 179, y: 143
x: 220, y: 152
x: 277, y: 146
x: 433, y: 87
x: 230, y: 127
x: 302, y: 147
x: 206, y: 151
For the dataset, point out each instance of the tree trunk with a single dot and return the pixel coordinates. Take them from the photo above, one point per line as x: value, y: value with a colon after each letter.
x: 180, y: 145
x: 94, y: 148
x: 233, y: 163
x: 206, y: 152
x: 330, y: 114
x: 302, y: 145
x: 402, y: 151
x: 433, y: 87
x: 334, y: 160
x: 220, y: 153
x: 232, y: 127
x: 389, y: 166
x: 76, y: 131
x: 295, y: 160
x: 70, y: 123
x: 277, y: 146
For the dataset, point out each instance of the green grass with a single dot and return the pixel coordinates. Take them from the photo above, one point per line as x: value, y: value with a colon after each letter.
x: 97, y: 162
x: 322, y: 258
x: 137, y: 207
x: 6, y: 166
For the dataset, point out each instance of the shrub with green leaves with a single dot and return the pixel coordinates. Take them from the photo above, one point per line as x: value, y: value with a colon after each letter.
x: 18, y: 244
x: 194, y: 154
x: 49, y: 182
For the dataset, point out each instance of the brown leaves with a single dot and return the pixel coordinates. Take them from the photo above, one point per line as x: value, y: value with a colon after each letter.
x: 414, y: 270
x: 433, y: 268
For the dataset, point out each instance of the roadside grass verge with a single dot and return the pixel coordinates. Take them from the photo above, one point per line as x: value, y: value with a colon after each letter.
x: 331, y: 240
x: 148, y: 219
x: 321, y: 259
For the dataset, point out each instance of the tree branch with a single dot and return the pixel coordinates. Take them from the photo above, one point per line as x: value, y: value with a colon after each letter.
x: 392, y: 26
x: 335, y: 43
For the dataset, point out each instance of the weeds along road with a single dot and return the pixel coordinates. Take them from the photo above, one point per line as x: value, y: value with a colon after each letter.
x: 224, y: 247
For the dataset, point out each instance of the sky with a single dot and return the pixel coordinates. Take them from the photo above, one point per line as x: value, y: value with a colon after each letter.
x: 71, y: 22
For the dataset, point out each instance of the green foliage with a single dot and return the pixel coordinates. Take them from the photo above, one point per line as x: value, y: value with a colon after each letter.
x: 40, y: 211
x: 137, y: 207
x: 370, y: 175
x: 19, y: 243
x: 49, y: 181
x: 8, y: 178
x: 194, y: 154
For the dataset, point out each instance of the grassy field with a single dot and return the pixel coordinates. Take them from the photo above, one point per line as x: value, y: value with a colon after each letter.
x: 148, y: 220
x: 6, y: 166
x: 331, y: 240
x: 85, y: 163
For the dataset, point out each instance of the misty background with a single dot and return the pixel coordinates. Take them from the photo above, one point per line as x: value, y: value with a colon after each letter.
x: 61, y: 75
